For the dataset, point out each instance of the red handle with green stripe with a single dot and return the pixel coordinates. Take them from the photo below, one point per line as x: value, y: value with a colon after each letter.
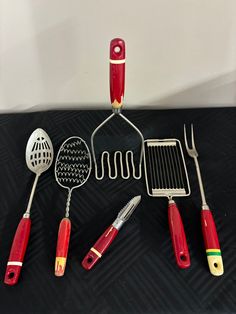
x: 212, y: 245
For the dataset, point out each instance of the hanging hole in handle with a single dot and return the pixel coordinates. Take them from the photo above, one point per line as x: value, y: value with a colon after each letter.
x: 183, y: 258
x: 215, y: 265
x: 117, y: 49
x: 11, y: 275
x: 89, y: 260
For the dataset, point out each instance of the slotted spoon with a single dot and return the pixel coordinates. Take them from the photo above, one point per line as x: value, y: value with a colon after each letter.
x: 39, y: 157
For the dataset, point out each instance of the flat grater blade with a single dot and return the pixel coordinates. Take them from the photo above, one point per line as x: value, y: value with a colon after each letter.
x: 166, y: 176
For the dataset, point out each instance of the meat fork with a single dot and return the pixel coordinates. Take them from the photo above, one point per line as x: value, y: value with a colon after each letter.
x: 210, y: 236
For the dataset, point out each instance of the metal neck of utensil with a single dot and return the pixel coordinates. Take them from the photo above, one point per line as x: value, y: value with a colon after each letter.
x: 27, y: 213
x: 126, y: 212
x: 204, y: 203
x: 93, y: 134
x: 116, y: 110
x: 68, y: 203
x: 118, y: 223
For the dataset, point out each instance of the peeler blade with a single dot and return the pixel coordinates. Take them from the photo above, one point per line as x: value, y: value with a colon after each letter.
x: 129, y: 208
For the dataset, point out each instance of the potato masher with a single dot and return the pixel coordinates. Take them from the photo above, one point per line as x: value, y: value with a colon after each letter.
x: 118, y: 161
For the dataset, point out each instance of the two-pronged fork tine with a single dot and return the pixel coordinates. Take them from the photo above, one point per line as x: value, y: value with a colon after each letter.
x: 211, y: 241
x: 194, y: 154
x: 191, y: 151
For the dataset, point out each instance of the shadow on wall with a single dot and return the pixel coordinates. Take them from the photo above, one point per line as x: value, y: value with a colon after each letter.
x: 222, y: 88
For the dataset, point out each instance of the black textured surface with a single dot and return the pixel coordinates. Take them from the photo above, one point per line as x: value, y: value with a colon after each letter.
x: 138, y: 274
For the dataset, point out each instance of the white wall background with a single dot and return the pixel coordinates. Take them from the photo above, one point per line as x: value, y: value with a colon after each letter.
x: 54, y: 53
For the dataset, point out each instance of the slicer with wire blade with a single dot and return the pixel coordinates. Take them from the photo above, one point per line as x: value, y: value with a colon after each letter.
x: 166, y: 176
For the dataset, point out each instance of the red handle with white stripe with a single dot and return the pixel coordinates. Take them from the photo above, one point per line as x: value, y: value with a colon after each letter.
x: 99, y: 247
x: 18, y: 249
x: 117, y: 72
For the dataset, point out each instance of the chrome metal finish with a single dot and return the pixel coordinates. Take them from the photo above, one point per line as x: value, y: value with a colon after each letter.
x: 129, y: 161
x: 170, y: 180
x: 68, y: 203
x: 116, y: 110
x: 27, y: 213
x: 168, y: 192
x: 192, y: 152
x: 93, y: 149
x: 72, y: 166
x: 118, y: 223
x: 39, y: 152
x: 126, y: 212
x: 39, y: 157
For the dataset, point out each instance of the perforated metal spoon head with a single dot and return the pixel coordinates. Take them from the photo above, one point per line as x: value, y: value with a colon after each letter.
x: 39, y: 152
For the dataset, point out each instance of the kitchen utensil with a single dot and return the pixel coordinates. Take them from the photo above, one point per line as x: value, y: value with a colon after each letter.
x: 209, y: 231
x: 166, y: 175
x: 72, y: 170
x: 109, y: 235
x: 39, y: 157
x: 118, y: 161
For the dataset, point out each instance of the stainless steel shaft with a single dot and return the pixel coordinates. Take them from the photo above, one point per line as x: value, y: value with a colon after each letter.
x: 203, y: 197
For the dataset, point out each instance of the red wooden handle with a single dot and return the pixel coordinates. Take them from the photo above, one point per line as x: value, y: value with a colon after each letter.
x: 17, y: 253
x: 99, y: 248
x: 178, y: 236
x: 63, y: 240
x: 212, y: 245
x: 117, y: 72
